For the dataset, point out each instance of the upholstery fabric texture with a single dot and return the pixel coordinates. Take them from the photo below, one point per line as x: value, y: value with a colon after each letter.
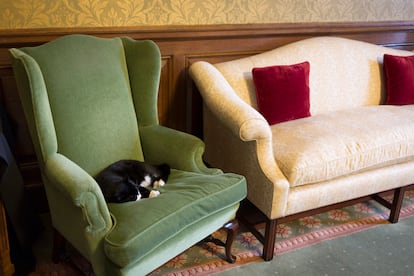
x: 399, y: 79
x: 335, y: 144
x: 282, y: 91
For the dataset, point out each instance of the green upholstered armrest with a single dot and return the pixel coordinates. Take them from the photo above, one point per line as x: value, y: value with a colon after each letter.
x: 79, y: 188
x: 180, y: 150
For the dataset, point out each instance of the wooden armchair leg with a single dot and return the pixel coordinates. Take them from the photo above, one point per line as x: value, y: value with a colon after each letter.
x: 269, y: 239
x: 232, y: 227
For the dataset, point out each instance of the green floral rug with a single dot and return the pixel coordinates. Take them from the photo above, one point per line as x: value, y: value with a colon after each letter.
x: 208, y: 258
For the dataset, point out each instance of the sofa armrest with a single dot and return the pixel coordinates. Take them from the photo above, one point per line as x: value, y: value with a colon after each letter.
x: 243, y: 120
x: 178, y: 149
x: 76, y: 186
x: 249, y: 133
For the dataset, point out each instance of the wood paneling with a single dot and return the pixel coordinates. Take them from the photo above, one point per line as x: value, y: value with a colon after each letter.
x: 6, y: 267
x: 179, y: 103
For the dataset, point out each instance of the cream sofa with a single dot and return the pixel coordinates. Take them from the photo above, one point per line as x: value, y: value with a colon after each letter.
x: 352, y: 146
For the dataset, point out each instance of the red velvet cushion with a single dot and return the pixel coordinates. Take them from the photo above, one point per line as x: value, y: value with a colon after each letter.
x: 399, y: 79
x: 282, y: 92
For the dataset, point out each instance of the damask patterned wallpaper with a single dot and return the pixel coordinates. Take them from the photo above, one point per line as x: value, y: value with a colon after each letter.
x: 17, y: 14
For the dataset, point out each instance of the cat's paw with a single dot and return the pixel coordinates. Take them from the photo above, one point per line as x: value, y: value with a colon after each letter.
x: 154, y: 193
x: 146, y: 182
x: 159, y: 183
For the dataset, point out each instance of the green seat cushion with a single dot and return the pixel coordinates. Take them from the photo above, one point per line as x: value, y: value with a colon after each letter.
x: 145, y: 225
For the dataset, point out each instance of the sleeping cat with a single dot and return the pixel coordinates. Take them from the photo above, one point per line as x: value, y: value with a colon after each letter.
x: 128, y: 180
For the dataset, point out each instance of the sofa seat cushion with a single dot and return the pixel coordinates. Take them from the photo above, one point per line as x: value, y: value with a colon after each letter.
x: 145, y: 225
x: 331, y: 145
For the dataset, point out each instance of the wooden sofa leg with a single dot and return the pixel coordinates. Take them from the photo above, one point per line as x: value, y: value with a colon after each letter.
x: 269, y: 239
x: 396, y: 205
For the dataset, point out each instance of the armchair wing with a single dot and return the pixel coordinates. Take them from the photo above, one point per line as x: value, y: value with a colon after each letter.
x: 180, y: 150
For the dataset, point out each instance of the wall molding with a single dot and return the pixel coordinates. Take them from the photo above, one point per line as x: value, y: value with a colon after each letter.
x: 172, y: 32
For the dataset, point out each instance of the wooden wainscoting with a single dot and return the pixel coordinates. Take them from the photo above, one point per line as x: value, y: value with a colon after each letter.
x: 6, y: 267
x: 179, y: 104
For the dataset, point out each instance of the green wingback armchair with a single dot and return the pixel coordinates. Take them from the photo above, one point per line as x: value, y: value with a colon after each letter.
x: 90, y: 102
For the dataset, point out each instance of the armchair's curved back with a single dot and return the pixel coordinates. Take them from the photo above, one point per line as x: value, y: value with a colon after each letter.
x: 144, y: 67
x: 78, y: 91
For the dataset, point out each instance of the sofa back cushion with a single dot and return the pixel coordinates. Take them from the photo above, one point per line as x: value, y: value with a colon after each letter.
x: 399, y: 79
x: 344, y: 73
x: 282, y: 92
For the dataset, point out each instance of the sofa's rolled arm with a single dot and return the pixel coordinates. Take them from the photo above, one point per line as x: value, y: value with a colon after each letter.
x: 178, y: 149
x: 79, y: 188
x: 242, y: 119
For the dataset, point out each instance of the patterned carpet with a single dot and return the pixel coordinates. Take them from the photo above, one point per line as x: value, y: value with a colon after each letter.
x: 207, y: 258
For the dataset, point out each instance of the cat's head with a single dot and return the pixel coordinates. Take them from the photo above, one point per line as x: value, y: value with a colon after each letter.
x: 164, y: 171
x: 160, y: 177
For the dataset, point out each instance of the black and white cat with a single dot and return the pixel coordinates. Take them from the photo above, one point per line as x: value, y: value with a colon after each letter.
x: 128, y: 180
